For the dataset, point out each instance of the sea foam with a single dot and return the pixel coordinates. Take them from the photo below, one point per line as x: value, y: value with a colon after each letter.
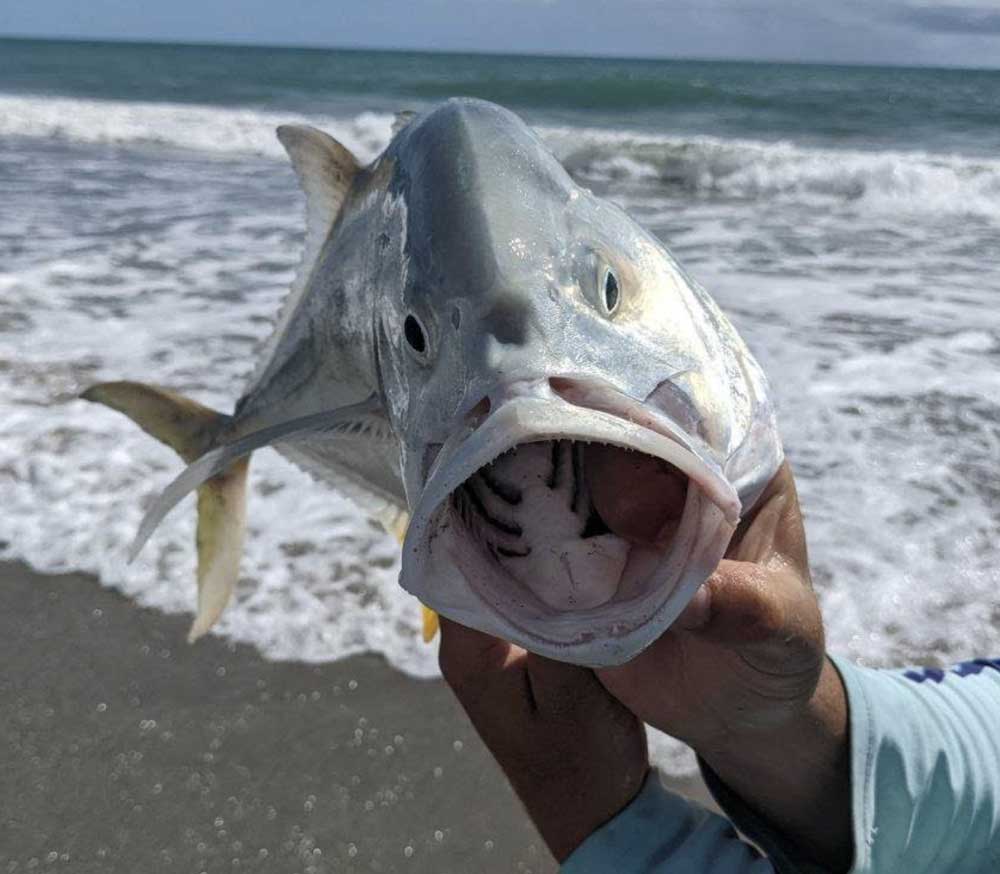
x: 155, y: 241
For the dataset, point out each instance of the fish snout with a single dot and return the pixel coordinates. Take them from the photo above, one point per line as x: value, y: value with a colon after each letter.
x: 479, y: 407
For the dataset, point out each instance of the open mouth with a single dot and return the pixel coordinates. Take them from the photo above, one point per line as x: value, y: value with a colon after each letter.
x: 575, y: 523
x: 570, y: 519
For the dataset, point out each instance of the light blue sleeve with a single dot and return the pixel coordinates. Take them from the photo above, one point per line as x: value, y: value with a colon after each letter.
x: 662, y: 833
x: 925, y: 772
x: 925, y: 768
x: 925, y: 785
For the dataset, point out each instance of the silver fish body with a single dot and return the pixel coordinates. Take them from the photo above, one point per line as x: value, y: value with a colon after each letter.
x: 467, y: 324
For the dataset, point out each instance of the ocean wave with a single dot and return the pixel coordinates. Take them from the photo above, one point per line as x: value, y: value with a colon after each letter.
x: 703, y: 166
x: 710, y: 166
x: 881, y: 347
x: 221, y: 130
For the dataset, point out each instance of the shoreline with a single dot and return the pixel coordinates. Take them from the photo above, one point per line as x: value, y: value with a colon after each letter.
x: 129, y: 750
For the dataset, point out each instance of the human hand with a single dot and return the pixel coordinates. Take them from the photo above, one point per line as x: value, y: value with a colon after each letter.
x: 743, y: 678
x: 747, y: 654
x: 574, y: 755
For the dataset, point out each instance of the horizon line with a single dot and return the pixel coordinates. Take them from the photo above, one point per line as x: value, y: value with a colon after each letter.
x: 496, y: 53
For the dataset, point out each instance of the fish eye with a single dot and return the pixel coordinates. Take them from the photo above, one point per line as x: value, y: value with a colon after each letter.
x: 611, y: 291
x: 415, y: 335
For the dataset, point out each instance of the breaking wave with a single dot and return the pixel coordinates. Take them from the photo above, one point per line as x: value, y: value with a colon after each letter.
x: 222, y: 130
x: 709, y: 166
x: 702, y: 166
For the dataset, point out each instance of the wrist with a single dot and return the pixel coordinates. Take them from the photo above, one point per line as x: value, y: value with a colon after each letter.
x: 796, y: 774
x: 817, y: 723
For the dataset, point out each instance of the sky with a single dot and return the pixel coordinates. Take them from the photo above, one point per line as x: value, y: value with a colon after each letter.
x: 936, y: 32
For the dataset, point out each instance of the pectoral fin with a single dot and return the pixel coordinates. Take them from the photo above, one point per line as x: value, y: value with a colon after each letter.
x: 221, y: 458
x: 221, y: 525
x: 184, y: 425
x: 190, y: 429
x: 429, y: 619
x: 430, y: 623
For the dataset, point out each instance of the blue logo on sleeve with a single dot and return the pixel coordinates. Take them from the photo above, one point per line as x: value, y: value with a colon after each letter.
x: 963, y: 669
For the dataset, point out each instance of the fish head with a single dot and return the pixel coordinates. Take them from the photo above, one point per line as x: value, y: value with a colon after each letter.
x: 580, y: 426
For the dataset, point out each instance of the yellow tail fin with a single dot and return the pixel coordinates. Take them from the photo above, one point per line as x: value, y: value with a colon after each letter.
x: 396, y: 525
x: 191, y: 429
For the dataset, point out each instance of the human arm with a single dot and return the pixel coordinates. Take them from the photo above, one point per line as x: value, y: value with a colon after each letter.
x: 750, y: 651
x: 742, y: 677
x: 882, y: 771
x: 576, y: 759
x: 925, y: 787
x: 913, y: 785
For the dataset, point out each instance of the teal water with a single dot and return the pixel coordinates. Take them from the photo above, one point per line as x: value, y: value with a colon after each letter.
x: 952, y: 110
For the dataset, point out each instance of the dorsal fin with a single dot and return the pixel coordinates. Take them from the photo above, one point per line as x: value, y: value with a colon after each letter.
x: 325, y: 170
x: 402, y: 119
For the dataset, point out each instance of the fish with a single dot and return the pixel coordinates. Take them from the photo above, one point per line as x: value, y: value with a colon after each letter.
x: 508, y: 372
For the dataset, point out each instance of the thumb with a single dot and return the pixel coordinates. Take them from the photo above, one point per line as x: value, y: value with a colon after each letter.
x: 739, y: 603
x: 755, y: 608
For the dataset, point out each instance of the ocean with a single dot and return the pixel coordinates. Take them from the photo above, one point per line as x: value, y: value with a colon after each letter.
x: 847, y: 219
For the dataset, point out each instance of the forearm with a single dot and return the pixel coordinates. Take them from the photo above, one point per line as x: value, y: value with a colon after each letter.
x: 796, y: 778
x: 924, y: 784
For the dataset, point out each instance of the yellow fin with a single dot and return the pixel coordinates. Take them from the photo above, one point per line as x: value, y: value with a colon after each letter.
x: 221, y: 525
x: 187, y: 427
x: 395, y: 521
x: 191, y: 430
x: 396, y: 524
x: 430, y: 624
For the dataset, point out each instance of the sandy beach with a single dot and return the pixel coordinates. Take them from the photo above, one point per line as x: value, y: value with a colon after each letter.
x: 127, y: 750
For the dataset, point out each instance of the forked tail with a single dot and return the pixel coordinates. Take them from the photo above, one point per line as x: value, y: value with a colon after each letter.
x: 191, y: 430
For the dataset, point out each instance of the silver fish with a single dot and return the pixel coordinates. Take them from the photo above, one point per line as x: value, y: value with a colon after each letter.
x: 510, y: 369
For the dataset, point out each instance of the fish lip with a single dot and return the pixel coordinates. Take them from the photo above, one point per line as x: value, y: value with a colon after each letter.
x: 533, y: 411
x: 469, y: 450
x: 598, y: 395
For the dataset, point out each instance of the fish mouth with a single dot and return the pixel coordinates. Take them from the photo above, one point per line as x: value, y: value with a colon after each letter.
x: 570, y: 519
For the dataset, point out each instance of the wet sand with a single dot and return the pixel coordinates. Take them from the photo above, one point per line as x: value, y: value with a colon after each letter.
x: 123, y: 749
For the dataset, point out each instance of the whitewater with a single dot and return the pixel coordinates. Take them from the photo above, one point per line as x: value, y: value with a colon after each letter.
x: 155, y: 240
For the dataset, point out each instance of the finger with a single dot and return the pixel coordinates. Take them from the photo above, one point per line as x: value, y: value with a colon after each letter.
x: 746, y: 603
x: 638, y: 497
x: 790, y: 540
x: 765, y: 614
x: 743, y: 607
x: 465, y: 651
x: 489, y: 677
x: 472, y: 661
x: 560, y: 688
x: 635, y: 682
x: 773, y: 528
x: 740, y: 602
x: 576, y: 712
x: 697, y: 612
